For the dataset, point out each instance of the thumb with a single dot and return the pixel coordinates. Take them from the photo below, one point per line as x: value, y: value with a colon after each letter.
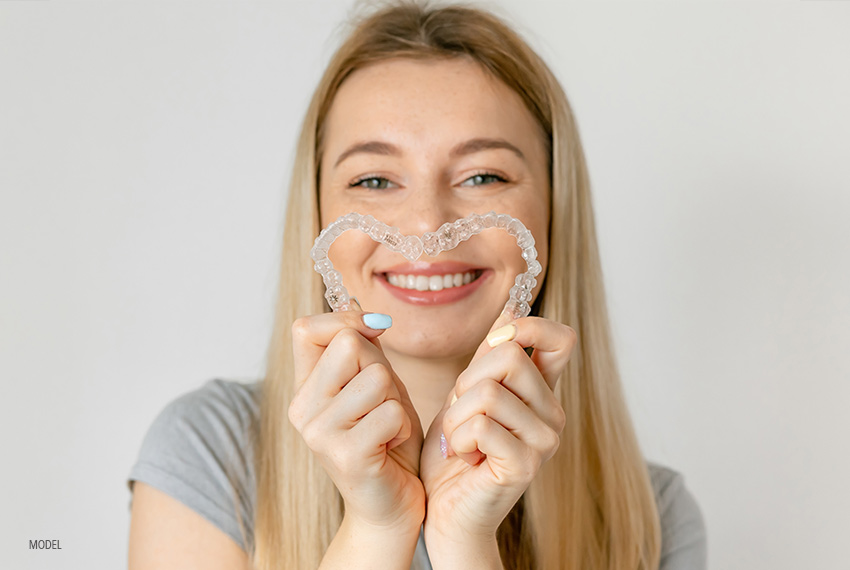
x: 502, y: 320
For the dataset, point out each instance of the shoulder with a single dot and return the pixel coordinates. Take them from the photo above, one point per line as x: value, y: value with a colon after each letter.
x: 199, y: 450
x: 683, y: 532
x: 223, y: 401
x: 219, y: 416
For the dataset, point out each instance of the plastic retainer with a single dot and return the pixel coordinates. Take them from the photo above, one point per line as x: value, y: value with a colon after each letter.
x: 447, y: 237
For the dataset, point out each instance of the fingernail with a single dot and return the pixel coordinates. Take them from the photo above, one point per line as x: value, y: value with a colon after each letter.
x: 454, y: 399
x: 356, y: 303
x: 444, y: 446
x: 377, y: 321
x: 504, y: 334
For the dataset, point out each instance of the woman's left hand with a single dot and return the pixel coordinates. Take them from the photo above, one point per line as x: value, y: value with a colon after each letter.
x: 503, y: 426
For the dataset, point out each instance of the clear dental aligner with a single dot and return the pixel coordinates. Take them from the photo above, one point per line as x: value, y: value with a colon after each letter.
x: 447, y: 237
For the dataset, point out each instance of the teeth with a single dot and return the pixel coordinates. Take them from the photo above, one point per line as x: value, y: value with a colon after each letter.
x: 432, y: 282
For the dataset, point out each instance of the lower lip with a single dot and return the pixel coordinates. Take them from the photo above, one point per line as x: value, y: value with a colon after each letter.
x: 441, y: 297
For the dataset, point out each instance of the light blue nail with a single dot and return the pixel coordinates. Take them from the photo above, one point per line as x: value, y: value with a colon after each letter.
x: 377, y: 321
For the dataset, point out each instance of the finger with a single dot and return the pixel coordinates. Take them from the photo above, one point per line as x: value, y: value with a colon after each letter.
x: 386, y: 422
x: 502, y: 320
x: 312, y: 334
x: 490, y: 398
x: 552, y: 342
x: 371, y: 387
x: 345, y: 356
x: 504, y: 452
x: 509, y: 365
x: 553, y: 345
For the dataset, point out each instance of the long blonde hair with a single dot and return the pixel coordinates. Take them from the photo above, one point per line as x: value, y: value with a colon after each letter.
x: 591, y: 507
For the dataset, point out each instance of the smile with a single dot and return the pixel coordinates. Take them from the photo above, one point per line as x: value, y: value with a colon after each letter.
x: 432, y: 282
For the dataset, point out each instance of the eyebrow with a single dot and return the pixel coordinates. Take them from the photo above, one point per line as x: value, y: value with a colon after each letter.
x: 464, y: 148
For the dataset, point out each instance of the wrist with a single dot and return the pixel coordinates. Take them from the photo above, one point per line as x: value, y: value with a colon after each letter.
x: 400, y: 531
x: 359, y: 544
x: 458, y: 549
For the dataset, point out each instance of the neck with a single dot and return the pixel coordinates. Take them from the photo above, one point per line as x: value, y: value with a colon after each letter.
x: 428, y: 381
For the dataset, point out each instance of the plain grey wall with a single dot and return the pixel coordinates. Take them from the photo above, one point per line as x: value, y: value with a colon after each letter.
x: 144, y: 154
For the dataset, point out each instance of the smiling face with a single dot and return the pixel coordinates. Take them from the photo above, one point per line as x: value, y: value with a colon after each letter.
x: 444, y: 140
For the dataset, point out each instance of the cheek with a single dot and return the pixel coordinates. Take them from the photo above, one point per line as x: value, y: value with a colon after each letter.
x: 329, y: 210
x: 502, y: 250
x: 349, y: 251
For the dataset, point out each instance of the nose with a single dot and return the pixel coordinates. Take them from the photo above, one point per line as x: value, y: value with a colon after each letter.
x: 426, y: 208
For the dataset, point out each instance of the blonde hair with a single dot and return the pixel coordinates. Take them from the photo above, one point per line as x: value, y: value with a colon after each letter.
x: 591, y: 507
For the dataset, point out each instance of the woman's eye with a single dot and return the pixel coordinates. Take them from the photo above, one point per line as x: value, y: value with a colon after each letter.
x: 371, y: 182
x: 380, y: 183
x: 479, y: 179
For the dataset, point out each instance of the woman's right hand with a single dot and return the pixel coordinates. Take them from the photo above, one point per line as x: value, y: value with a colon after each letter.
x: 356, y: 416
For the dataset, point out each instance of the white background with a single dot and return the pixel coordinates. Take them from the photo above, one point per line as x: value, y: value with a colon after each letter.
x: 145, y: 150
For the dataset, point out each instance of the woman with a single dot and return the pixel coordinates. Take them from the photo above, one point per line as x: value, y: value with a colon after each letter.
x: 430, y: 420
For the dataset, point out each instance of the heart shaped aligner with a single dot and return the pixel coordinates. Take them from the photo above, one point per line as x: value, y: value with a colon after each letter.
x: 447, y: 237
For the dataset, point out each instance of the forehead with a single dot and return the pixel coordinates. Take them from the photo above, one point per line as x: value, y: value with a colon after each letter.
x: 427, y: 103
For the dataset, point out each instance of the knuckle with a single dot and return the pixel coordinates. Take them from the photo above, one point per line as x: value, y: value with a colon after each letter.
x: 449, y: 422
x: 553, y: 444
x: 300, y: 328
x: 572, y: 336
x: 310, y: 432
x: 489, y: 391
x: 346, y: 341
x: 380, y: 376
x: 513, y: 351
x: 393, y: 412
x: 560, y: 419
x: 549, y: 443
x: 463, y: 383
x: 479, y: 425
x: 296, y: 414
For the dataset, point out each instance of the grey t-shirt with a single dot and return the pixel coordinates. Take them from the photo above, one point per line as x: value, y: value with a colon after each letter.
x: 199, y: 450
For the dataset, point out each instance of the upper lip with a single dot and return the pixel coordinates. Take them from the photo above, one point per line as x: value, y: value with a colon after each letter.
x: 425, y: 268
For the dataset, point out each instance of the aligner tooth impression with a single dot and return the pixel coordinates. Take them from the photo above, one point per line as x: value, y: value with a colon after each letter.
x: 447, y: 237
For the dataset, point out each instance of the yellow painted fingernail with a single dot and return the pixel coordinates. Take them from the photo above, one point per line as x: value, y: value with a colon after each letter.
x: 454, y: 399
x: 504, y: 334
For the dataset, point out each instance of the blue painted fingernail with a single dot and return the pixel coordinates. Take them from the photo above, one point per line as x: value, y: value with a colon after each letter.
x: 377, y: 321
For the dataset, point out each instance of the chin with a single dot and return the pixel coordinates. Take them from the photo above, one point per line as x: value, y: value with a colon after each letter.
x: 422, y: 344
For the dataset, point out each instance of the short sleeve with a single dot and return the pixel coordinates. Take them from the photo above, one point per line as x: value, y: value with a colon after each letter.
x: 199, y: 451
x: 683, y: 532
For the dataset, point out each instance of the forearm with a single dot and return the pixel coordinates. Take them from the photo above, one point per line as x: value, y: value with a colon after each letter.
x: 359, y: 546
